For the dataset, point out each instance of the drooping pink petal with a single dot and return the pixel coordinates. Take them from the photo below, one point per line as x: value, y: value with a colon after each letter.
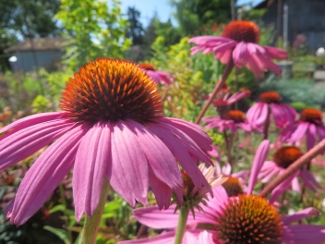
x: 201, y: 40
x: 194, y: 131
x: 300, y: 215
x: 311, y: 136
x: 166, y: 237
x: 17, y: 145
x: 90, y: 169
x: 163, y: 192
x: 309, y: 179
x: 276, y: 53
x: 285, y: 185
x: 45, y: 175
x: 153, y: 217
x: 32, y: 120
x: 299, y: 132
x: 259, y: 159
x: 240, y: 54
x: 179, y: 150
x: 125, y: 176
x: 302, y: 234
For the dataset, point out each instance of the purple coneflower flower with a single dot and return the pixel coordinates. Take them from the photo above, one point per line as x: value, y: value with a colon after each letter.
x: 111, y: 128
x: 239, y: 41
x: 282, y: 159
x: 232, y: 120
x: 310, y: 126
x: 160, y: 77
x: 245, y: 218
x: 270, y: 106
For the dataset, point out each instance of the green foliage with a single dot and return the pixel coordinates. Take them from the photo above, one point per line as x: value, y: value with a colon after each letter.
x: 30, y: 18
x: 193, y: 15
x: 184, y: 98
x: 95, y: 28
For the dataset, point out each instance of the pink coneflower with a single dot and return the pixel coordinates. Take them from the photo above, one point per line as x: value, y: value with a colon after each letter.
x: 239, y: 41
x: 111, y: 128
x: 282, y: 159
x: 309, y: 126
x: 232, y: 120
x: 269, y: 104
x: 226, y: 98
x: 160, y: 77
x: 245, y: 218
x: 242, y: 219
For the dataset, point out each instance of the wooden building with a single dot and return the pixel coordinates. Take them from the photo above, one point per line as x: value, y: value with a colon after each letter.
x: 33, y: 54
x: 305, y: 20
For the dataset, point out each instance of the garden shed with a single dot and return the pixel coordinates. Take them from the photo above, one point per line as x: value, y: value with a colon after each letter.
x: 305, y: 21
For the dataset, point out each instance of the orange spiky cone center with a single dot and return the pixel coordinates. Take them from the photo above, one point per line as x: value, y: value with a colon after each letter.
x: 233, y: 187
x: 236, y: 115
x: 110, y: 90
x: 249, y: 219
x: 285, y: 156
x: 242, y: 31
x: 311, y: 115
x: 270, y: 97
x: 147, y: 66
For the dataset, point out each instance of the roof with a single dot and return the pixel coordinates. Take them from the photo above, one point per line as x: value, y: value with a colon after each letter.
x: 265, y: 4
x: 38, y: 44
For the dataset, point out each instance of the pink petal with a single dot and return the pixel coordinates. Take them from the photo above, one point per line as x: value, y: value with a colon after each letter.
x: 93, y: 156
x: 129, y: 165
x: 17, y: 145
x: 300, y: 215
x: 276, y: 53
x: 299, y: 132
x: 240, y: 54
x: 175, y: 140
x: 302, y: 234
x: 44, y: 176
x: 32, y: 120
x: 153, y: 217
x: 259, y: 159
x: 166, y: 237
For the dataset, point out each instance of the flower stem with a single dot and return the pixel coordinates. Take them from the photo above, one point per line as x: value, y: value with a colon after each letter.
x: 182, y: 219
x: 64, y: 202
x: 216, y: 89
x: 267, y: 124
x: 91, y: 225
x: 298, y: 164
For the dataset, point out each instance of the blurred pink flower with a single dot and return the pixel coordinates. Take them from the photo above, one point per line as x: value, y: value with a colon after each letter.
x: 239, y: 41
x: 282, y: 159
x: 160, y: 77
x: 102, y: 133
x: 310, y: 126
x: 226, y: 98
x: 243, y: 219
x: 232, y: 120
x: 270, y: 102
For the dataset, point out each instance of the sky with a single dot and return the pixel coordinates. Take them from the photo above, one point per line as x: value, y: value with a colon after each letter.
x: 162, y: 8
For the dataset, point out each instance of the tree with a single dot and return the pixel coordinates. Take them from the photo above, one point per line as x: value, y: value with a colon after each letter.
x: 95, y: 28
x: 135, y: 30
x: 30, y: 18
x: 193, y: 15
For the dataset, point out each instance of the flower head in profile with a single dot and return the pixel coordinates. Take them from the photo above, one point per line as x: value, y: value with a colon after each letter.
x: 160, y: 77
x: 239, y: 42
x: 310, y: 126
x: 232, y: 120
x: 269, y: 106
x: 112, y: 128
x: 282, y: 159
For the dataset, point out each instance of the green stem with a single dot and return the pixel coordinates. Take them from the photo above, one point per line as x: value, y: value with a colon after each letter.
x: 91, y: 225
x: 64, y: 202
x: 181, y: 226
